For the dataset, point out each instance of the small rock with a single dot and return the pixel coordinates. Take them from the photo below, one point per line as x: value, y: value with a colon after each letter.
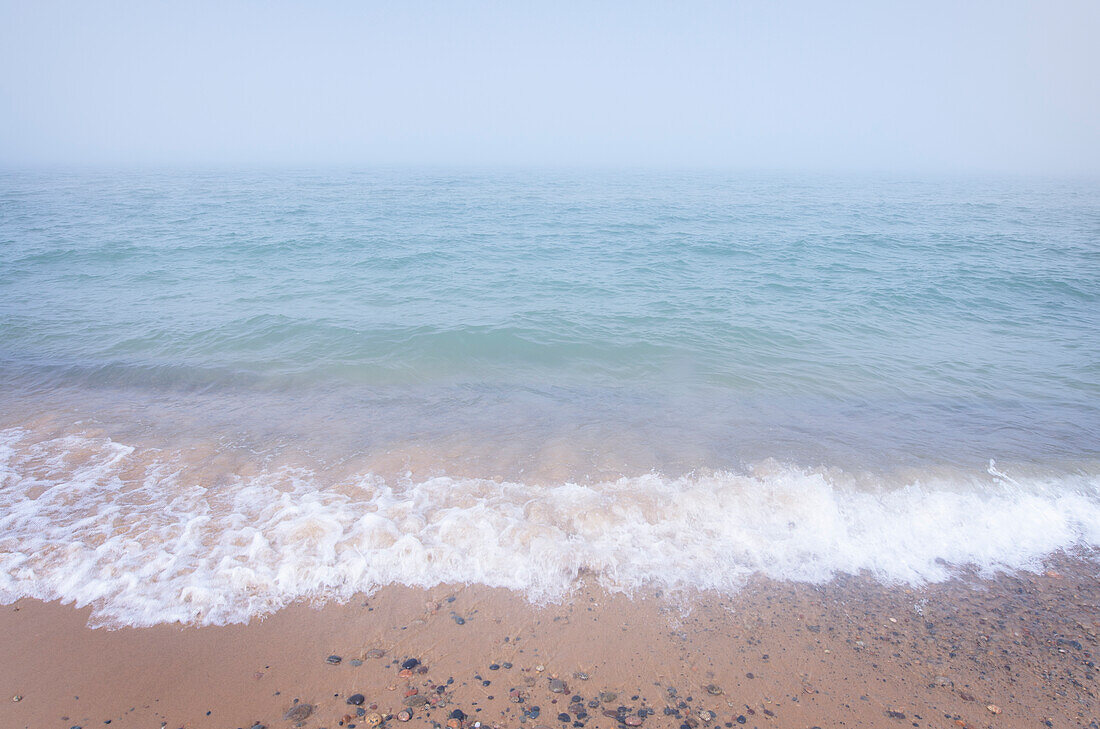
x: 404, y: 715
x: 994, y: 709
x: 558, y: 686
x: 714, y: 690
x: 494, y: 666
x: 415, y: 701
x: 633, y: 720
x: 580, y: 676
x: 373, y: 719
x: 375, y: 653
x: 356, y: 699
x: 895, y: 714
x: 607, y: 697
x: 298, y: 712
x: 17, y: 698
x: 564, y: 718
x: 333, y: 660
x: 356, y: 662
x: 410, y: 664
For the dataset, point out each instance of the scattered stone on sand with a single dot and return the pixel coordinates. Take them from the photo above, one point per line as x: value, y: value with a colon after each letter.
x: 994, y: 709
x: 333, y: 660
x: 356, y: 662
x: 633, y: 720
x: 17, y: 698
x: 298, y: 712
x: 404, y: 715
x: 373, y: 719
x: 558, y: 686
x: 375, y: 653
x: 895, y: 714
x: 356, y: 699
x: 607, y: 697
x: 714, y: 690
x: 581, y: 676
x: 415, y: 701
x: 410, y: 664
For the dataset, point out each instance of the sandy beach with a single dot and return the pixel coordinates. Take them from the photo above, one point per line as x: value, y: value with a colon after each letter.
x: 1012, y: 651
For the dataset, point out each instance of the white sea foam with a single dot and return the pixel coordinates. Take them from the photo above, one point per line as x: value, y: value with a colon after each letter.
x: 90, y: 521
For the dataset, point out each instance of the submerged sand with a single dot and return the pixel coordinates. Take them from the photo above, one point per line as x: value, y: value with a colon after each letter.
x: 1011, y: 651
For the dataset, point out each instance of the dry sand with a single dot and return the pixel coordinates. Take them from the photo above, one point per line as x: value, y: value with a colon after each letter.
x: 1016, y: 651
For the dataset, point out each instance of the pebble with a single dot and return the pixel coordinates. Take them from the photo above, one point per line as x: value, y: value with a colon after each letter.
x: 375, y: 653
x: 404, y: 715
x: 356, y: 662
x: 17, y: 698
x: 373, y: 719
x: 608, y: 696
x: 356, y: 699
x: 633, y: 721
x: 714, y: 690
x: 410, y: 664
x: 298, y: 712
x: 333, y: 660
x: 415, y: 701
x: 580, y: 676
x: 994, y: 709
x: 564, y: 718
x: 558, y: 686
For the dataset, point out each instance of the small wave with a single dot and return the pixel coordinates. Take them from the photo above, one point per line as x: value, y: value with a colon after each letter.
x: 91, y: 521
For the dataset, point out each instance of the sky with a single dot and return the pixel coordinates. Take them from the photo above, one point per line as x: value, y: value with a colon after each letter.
x: 910, y: 86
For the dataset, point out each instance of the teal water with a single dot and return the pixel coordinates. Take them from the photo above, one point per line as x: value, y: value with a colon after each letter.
x: 549, y: 328
x: 921, y: 317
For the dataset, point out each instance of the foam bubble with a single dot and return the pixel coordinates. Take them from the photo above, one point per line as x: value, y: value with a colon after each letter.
x: 90, y: 521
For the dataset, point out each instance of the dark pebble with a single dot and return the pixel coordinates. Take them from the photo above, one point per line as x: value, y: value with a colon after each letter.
x: 356, y: 699
x: 457, y: 714
x: 506, y: 664
x: 741, y: 719
x: 494, y: 666
x: 460, y: 620
x: 333, y: 660
x: 565, y: 718
x: 298, y: 712
x: 410, y: 664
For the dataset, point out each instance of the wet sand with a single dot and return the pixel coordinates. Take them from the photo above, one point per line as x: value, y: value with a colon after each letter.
x: 1014, y: 651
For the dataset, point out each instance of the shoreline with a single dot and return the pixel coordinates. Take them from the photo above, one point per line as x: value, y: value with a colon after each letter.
x: 1016, y: 650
